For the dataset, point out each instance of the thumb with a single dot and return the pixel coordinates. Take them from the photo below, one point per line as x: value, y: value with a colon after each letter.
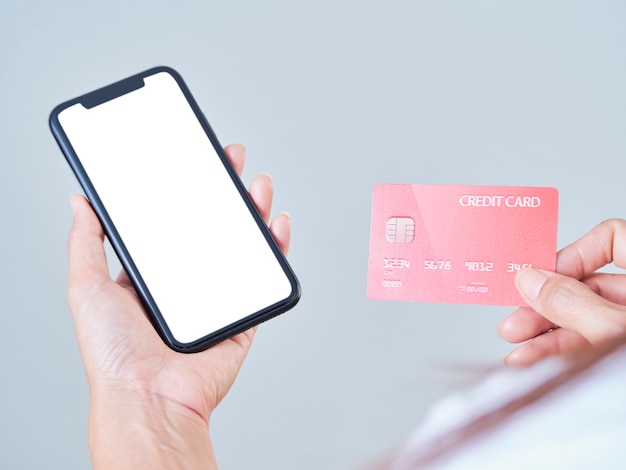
x: 570, y: 304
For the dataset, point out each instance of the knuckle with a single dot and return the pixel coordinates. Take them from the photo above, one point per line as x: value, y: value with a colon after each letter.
x: 614, y: 222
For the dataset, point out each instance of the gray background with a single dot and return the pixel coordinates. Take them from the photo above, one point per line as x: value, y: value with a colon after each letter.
x: 330, y: 97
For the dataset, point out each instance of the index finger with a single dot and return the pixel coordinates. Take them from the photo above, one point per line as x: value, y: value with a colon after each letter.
x: 237, y: 155
x: 87, y: 259
x: 604, y: 244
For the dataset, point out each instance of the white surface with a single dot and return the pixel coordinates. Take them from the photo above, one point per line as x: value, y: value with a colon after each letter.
x: 329, y: 97
x: 577, y: 426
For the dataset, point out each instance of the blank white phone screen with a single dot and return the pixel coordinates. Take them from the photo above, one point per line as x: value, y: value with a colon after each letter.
x: 187, y: 229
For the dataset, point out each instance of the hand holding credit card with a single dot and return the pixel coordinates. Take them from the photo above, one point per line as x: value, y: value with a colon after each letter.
x: 458, y: 244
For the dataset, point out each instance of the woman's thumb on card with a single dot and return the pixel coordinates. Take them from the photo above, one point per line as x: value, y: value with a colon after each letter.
x: 568, y: 303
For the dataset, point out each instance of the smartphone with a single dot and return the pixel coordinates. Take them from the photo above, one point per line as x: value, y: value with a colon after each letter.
x: 197, y: 251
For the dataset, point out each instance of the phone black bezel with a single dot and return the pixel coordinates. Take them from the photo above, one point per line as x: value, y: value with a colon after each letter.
x: 113, y: 91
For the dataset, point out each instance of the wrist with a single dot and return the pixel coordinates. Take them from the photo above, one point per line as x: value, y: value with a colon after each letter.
x: 139, y: 429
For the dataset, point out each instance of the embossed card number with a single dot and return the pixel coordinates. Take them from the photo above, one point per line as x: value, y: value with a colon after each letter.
x: 458, y: 244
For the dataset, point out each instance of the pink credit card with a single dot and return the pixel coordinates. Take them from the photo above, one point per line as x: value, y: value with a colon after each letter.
x: 458, y: 244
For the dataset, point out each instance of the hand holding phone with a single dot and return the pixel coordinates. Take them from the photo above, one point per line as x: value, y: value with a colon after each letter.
x: 147, y: 399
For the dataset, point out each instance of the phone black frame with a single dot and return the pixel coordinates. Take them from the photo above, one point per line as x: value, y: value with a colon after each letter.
x: 111, y: 92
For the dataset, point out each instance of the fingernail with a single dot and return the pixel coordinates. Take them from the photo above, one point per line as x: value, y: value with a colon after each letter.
x: 502, y: 325
x: 530, y: 281
x: 74, y: 203
x: 266, y: 174
x: 511, y: 359
x: 507, y: 359
x: 287, y: 214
